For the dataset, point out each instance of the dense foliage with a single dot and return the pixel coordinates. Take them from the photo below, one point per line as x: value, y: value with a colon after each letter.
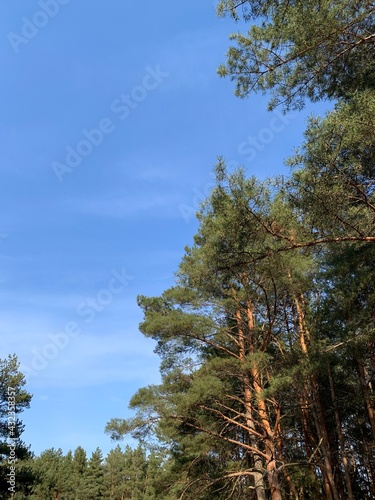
x: 13, y: 451
x: 267, y: 339
x: 267, y: 345
x: 123, y: 474
x: 315, y: 49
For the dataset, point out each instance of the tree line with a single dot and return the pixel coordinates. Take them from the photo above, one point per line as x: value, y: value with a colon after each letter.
x: 129, y: 473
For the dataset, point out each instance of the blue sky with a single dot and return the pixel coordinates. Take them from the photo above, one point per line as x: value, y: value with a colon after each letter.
x: 112, y: 118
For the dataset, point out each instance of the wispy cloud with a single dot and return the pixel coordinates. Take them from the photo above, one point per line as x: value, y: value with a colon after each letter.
x: 96, y: 360
x: 121, y: 207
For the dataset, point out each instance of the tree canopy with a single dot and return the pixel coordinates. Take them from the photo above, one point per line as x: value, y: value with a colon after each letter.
x: 302, y: 49
x: 267, y: 339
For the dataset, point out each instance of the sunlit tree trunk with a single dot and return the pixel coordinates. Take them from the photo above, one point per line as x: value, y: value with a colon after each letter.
x: 254, y: 441
x: 264, y: 421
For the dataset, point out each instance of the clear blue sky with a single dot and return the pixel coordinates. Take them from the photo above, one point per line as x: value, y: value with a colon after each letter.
x: 112, y: 117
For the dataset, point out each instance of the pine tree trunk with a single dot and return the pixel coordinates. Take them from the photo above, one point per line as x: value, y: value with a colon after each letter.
x: 368, y: 455
x: 371, y: 419
x: 340, y: 435
x: 367, y: 397
x: 272, y: 472
x: 287, y: 477
x: 318, y: 413
x: 306, y: 428
x: 264, y: 421
x: 321, y: 428
x: 258, y: 461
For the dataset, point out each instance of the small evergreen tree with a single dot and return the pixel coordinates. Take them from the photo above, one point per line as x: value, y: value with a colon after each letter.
x: 93, y: 478
x: 13, y: 451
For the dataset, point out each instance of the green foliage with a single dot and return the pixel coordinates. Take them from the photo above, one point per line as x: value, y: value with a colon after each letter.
x: 53, y: 475
x: 124, y: 474
x: 267, y: 339
x: 114, y: 475
x: 79, y: 471
x: 261, y: 313
x: 333, y: 178
x: 301, y: 49
x: 92, y: 485
x: 13, y: 451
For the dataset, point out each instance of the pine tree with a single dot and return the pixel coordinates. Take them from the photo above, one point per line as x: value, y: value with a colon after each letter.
x: 221, y: 334
x: 53, y: 473
x: 13, y: 451
x: 248, y: 400
x: 267, y: 339
x: 302, y: 49
x: 79, y: 470
x: 92, y: 485
x: 115, y: 475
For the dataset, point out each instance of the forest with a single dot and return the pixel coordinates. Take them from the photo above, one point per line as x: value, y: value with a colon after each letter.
x: 267, y: 339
